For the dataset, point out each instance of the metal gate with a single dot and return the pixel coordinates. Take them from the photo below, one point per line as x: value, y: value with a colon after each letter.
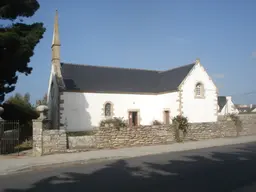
x: 9, y: 136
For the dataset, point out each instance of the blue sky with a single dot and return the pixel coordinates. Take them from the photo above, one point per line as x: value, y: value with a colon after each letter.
x: 152, y: 34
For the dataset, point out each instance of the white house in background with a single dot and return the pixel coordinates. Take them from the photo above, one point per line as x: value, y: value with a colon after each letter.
x: 226, y: 106
x: 251, y: 108
x: 80, y: 96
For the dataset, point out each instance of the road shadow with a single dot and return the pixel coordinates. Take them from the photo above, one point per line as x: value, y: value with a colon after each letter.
x: 212, y: 171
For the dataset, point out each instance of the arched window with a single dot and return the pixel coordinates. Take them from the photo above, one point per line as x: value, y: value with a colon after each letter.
x: 107, y: 109
x: 199, y: 90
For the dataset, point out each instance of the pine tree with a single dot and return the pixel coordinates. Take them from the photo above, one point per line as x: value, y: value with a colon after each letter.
x: 17, y: 41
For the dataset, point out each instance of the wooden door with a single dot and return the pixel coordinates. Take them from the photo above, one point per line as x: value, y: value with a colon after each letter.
x: 167, y: 117
x: 135, y: 118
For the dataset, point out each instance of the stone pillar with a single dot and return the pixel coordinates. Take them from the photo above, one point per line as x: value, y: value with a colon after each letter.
x: 37, y: 137
x: 38, y: 127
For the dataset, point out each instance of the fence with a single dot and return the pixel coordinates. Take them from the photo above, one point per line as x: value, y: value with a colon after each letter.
x: 9, y: 136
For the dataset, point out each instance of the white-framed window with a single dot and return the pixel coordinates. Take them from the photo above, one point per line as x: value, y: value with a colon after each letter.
x: 199, y: 90
x: 108, y: 109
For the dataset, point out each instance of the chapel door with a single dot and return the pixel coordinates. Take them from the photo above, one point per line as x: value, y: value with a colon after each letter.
x: 130, y: 118
x: 167, y: 117
x: 133, y: 118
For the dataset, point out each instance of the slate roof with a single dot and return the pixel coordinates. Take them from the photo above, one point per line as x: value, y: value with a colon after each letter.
x: 88, y: 78
x: 245, y: 109
x: 222, y: 100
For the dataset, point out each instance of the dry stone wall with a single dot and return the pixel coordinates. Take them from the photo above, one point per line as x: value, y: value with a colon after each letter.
x: 248, y: 124
x: 111, y: 137
x: 54, y: 141
x: 200, y: 131
x: 46, y: 141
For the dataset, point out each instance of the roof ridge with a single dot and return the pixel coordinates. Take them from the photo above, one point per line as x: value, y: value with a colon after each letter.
x: 136, y: 80
x: 178, y: 67
x: 111, y: 67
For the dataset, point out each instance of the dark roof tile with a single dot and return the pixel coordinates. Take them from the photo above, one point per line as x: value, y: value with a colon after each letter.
x: 87, y: 78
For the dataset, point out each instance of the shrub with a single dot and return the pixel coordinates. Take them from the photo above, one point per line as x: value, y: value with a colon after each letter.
x: 116, y: 122
x: 156, y: 122
x: 25, y: 145
x: 81, y: 133
x: 238, y: 123
x: 181, y: 124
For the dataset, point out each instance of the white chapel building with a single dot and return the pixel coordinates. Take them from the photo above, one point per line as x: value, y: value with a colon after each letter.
x: 80, y: 96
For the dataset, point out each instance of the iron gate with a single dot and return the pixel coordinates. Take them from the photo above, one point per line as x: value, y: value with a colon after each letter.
x: 9, y: 136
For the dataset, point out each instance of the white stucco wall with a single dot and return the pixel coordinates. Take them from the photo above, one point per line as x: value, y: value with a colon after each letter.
x: 82, y: 111
x: 195, y: 109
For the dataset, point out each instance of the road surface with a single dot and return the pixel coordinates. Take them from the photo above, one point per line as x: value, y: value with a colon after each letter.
x: 228, y: 168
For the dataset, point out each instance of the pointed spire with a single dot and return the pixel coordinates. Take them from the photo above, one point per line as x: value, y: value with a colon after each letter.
x: 56, y: 38
x: 56, y: 52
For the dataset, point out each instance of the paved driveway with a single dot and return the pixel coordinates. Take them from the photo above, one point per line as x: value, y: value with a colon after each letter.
x: 227, y: 168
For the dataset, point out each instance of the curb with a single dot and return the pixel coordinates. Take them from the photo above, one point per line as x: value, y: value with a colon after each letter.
x: 49, y: 165
x: 100, y: 159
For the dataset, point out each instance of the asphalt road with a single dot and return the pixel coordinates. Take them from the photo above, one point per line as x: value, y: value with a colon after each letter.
x: 229, y: 168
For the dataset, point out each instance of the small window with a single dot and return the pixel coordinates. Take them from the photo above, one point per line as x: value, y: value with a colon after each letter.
x: 52, y: 90
x: 199, y: 90
x: 108, y: 110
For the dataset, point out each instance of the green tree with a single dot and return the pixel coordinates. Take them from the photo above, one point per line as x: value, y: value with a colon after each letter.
x: 20, y: 100
x: 19, y: 107
x: 17, y: 41
x: 42, y: 101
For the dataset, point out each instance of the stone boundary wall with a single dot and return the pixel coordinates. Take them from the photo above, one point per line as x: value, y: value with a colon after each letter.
x: 111, y: 137
x: 54, y: 141
x: 46, y: 141
x: 248, y: 124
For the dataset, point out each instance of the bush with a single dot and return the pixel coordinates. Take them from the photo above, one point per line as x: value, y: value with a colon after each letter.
x: 81, y: 133
x: 238, y: 123
x: 116, y: 122
x: 156, y: 122
x: 181, y: 124
x: 25, y: 145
